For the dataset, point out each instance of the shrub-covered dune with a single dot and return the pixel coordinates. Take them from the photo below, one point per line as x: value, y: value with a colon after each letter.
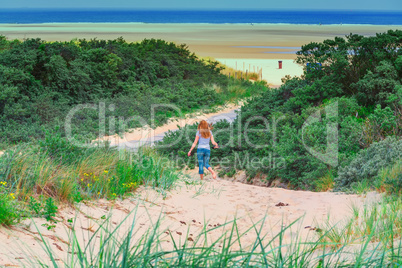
x: 41, y: 81
x: 360, y: 77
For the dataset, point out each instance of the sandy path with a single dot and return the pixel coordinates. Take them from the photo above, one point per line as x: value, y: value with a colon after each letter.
x: 185, y: 211
x: 137, y: 137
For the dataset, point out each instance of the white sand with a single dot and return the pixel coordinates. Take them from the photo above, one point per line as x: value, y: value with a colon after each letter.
x: 185, y: 211
x: 215, y: 202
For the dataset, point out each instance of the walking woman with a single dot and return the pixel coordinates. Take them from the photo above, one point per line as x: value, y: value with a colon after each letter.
x: 203, y: 137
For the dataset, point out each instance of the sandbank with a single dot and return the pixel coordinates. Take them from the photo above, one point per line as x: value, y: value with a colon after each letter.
x: 213, y: 40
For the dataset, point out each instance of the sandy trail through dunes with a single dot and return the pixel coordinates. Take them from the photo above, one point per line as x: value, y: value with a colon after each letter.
x: 134, y: 138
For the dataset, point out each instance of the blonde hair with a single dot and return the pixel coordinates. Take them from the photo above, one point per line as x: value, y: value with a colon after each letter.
x: 204, y: 129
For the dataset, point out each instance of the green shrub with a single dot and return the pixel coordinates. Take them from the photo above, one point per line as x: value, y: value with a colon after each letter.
x: 8, y: 210
x: 45, y: 208
x: 288, y: 158
x: 360, y: 74
x: 58, y: 147
x: 378, y: 125
x: 370, y: 161
x: 42, y: 81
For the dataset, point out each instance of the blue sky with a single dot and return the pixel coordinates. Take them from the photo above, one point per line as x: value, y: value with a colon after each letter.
x: 393, y: 5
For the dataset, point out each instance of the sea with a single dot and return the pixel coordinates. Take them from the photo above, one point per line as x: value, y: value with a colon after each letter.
x: 31, y: 16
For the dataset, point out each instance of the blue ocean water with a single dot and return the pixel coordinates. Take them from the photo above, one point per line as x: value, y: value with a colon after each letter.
x: 214, y: 17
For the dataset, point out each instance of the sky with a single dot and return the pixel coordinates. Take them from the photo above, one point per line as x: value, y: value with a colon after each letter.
x: 373, y: 5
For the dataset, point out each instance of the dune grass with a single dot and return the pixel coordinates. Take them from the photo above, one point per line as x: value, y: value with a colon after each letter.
x: 390, y: 179
x: 36, y: 177
x: 53, y: 171
x: 235, y: 73
x: 374, y: 242
x: 375, y: 230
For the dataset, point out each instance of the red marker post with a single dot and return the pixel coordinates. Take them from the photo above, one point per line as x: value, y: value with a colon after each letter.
x: 280, y: 64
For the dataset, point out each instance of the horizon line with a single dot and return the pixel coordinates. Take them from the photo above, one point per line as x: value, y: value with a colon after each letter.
x: 183, y: 9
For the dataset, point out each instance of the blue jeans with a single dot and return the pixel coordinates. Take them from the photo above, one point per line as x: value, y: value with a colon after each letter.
x: 203, y: 159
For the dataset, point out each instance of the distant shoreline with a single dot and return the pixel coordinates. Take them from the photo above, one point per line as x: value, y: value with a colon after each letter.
x: 203, y: 23
x: 230, y: 41
x: 240, y: 46
x: 213, y: 17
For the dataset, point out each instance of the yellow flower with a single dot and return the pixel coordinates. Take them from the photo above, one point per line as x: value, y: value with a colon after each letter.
x: 89, y: 185
x: 82, y: 179
x: 98, y: 193
x: 106, y: 171
x: 12, y: 195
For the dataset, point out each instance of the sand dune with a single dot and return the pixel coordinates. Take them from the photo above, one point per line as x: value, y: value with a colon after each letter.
x: 186, y: 211
x: 192, y: 206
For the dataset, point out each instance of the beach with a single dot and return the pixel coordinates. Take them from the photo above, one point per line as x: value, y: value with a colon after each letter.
x: 199, y: 213
x: 234, y: 41
x: 245, y: 46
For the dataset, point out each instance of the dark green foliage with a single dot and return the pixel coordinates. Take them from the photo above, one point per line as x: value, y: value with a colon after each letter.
x: 50, y: 209
x: 58, y: 148
x: 360, y: 75
x: 41, y: 81
x: 347, y: 60
x: 285, y: 157
x: 375, y: 87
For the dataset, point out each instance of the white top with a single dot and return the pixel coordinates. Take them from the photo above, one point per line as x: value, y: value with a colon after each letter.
x: 202, y: 142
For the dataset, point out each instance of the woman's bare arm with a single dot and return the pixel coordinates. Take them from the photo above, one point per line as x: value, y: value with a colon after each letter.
x: 213, y: 142
x: 194, y: 144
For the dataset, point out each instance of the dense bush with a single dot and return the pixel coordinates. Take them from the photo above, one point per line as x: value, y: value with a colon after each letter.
x: 370, y: 161
x: 280, y: 150
x: 360, y: 76
x: 41, y: 81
